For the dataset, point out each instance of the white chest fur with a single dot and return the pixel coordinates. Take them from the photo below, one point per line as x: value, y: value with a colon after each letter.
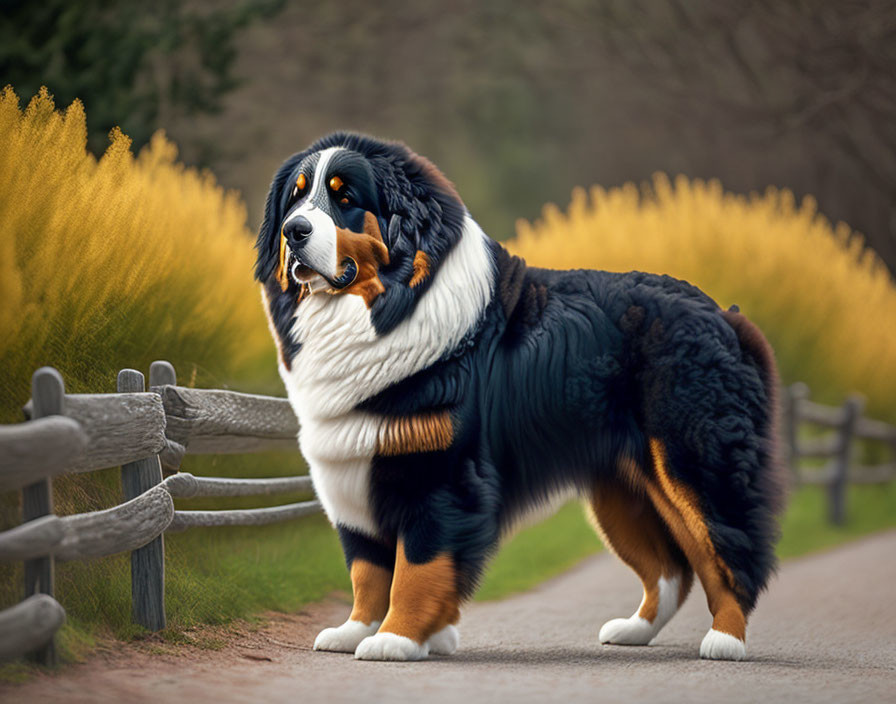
x: 342, y: 361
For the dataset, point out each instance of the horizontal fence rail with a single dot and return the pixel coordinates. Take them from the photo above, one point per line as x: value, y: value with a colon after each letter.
x: 206, y: 421
x: 184, y: 484
x: 32, y: 539
x: 118, y: 529
x: 120, y: 428
x: 29, y: 625
x: 243, y: 517
x: 133, y: 524
x: 43, y: 448
x: 121, y: 528
x: 143, y: 432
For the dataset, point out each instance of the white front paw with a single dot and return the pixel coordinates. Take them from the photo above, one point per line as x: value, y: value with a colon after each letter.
x: 627, y: 631
x: 344, y: 638
x: 390, y: 646
x: 444, y: 642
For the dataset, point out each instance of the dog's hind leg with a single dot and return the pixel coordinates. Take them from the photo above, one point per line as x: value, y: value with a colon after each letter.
x: 680, y: 509
x: 631, y: 528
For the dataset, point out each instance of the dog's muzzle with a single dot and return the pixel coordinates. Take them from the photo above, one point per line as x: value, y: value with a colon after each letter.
x: 293, y: 267
x: 301, y: 273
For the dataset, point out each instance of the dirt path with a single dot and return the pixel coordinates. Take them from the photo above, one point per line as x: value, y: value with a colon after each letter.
x: 826, y: 632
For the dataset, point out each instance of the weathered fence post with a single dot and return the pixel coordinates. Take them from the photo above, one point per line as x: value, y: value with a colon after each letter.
x: 148, y: 562
x: 48, y: 395
x: 162, y: 373
x: 852, y: 409
x: 792, y: 397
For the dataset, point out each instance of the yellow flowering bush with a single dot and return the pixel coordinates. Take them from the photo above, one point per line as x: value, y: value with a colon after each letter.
x: 827, y: 305
x: 114, y: 262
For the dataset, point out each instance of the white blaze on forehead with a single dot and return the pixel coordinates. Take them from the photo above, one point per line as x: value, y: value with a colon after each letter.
x: 320, y: 172
x: 319, y: 251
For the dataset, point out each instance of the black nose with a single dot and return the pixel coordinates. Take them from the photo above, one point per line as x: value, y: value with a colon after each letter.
x: 297, y: 230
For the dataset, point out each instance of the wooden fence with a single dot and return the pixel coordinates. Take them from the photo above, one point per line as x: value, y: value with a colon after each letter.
x: 142, y: 431
x: 845, y: 425
x: 146, y: 431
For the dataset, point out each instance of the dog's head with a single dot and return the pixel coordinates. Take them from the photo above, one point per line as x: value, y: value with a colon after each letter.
x: 352, y: 215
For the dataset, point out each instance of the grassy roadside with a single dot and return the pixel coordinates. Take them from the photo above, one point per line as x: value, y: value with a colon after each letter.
x: 806, y: 530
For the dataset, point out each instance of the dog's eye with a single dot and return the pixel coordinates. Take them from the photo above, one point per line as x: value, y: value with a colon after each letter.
x: 336, y: 183
x: 301, y: 182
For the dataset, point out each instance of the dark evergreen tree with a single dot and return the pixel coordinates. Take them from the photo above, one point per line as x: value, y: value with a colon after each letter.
x: 132, y: 63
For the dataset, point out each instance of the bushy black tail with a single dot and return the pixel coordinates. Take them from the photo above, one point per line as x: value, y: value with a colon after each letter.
x: 769, y: 491
x: 759, y: 353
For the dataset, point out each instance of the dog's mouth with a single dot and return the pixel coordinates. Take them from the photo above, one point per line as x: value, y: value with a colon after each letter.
x: 303, y: 274
x: 300, y: 272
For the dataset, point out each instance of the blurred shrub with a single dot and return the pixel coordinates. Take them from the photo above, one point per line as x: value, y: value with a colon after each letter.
x: 827, y: 306
x: 115, y: 262
x: 111, y: 263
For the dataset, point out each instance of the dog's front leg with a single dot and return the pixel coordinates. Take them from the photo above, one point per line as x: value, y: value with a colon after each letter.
x: 423, y: 608
x: 371, y: 582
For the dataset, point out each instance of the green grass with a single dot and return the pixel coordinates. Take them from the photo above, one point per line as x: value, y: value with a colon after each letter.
x: 539, y: 552
x: 805, y: 528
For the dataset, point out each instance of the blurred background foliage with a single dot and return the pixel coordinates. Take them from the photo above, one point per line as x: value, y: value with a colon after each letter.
x: 110, y: 259
x: 117, y: 261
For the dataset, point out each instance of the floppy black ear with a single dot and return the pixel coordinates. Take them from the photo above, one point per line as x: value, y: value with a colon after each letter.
x: 268, y: 243
x: 427, y: 219
x: 436, y: 210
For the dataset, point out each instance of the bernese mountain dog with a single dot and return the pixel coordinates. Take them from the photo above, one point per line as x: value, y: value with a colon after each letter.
x: 444, y: 388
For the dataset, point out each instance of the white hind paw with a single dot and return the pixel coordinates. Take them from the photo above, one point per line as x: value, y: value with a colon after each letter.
x: 390, y: 646
x: 628, y: 631
x: 344, y: 638
x: 717, y: 645
x: 444, y: 642
x: 636, y: 630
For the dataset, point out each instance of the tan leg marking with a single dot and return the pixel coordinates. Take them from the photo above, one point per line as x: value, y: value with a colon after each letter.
x: 424, y: 597
x: 631, y: 528
x: 425, y: 432
x: 370, y: 587
x: 680, y: 508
